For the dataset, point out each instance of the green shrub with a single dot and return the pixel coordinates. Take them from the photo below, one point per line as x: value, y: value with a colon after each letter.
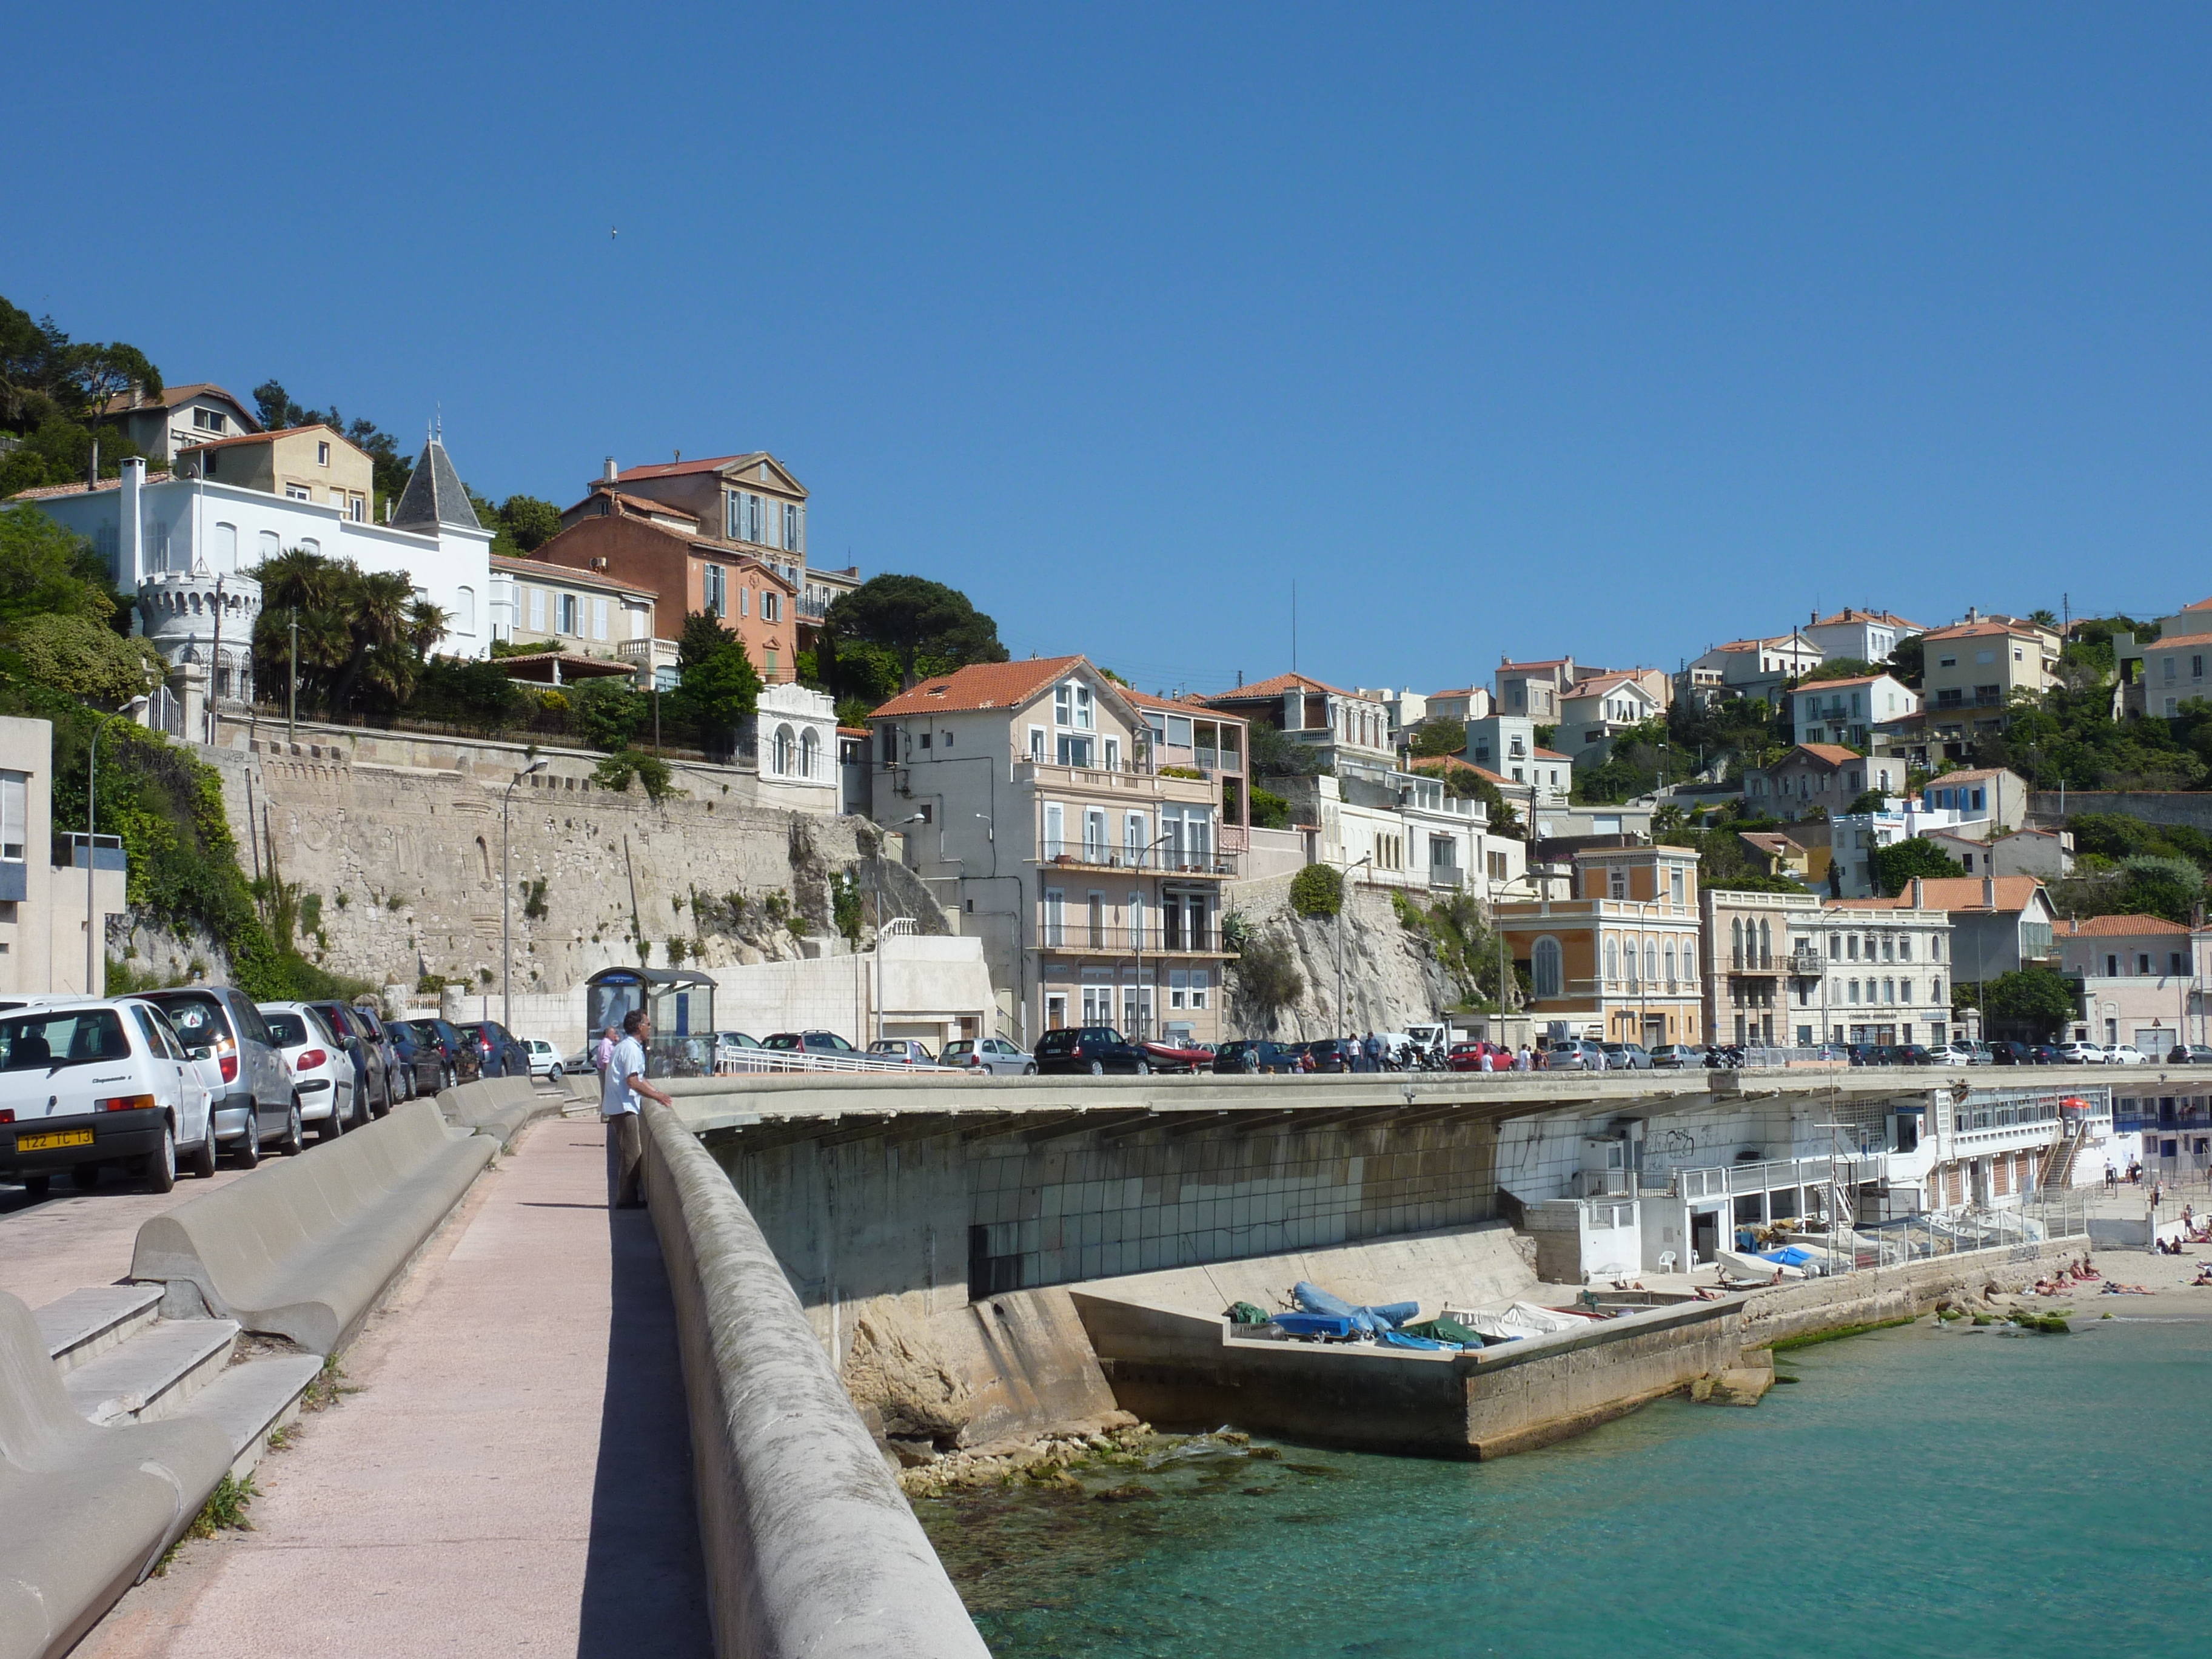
x: 1317, y: 890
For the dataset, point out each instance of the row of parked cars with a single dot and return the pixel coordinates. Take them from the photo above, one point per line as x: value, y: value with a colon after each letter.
x: 160, y: 1081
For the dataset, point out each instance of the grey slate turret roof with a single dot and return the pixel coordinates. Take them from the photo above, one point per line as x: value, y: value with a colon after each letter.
x: 433, y: 494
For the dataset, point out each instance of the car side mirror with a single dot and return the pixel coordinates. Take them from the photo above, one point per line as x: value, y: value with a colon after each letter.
x: 204, y: 1052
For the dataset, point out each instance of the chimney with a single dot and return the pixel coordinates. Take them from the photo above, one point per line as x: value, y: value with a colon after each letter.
x: 607, y: 472
x: 130, y: 525
x: 1989, y: 892
x: 1919, y: 895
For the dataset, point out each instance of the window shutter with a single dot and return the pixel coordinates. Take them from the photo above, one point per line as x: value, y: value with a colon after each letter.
x: 599, y: 618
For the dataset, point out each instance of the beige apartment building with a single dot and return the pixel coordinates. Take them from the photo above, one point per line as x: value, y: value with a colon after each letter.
x: 162, y: 425
x: 1033, y: 798
x: 43, y: 905
x: 1970, y: 672
x: 316, y: 463
x: 1618, y: 960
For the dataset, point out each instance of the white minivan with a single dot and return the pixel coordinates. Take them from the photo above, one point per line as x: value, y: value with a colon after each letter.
x: 87, y: 1084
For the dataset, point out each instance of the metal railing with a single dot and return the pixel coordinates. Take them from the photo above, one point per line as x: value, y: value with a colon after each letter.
x: 1757, y: 962
x: 1078, y: 933
x: 733, y: 1062
x: 1174, y: 860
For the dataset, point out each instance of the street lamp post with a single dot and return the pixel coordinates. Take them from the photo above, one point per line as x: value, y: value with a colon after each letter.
x: 1341, y: 899
x: 506, y: 904
x: 91, y: 858
x: 1137, y: 932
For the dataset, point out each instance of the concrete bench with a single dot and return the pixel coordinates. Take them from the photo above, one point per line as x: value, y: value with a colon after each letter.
x: 84, y: 1511
x: 497, y: 1107
x: 303, y: 1248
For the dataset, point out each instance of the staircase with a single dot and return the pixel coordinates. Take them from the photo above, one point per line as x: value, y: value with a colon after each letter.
x: 120, y: 1361
x: 2058, y: 1161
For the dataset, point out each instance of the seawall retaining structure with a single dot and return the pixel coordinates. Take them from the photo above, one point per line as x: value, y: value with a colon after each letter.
x: 810, y: 1546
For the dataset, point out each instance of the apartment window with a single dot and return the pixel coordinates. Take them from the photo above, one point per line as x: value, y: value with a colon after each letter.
x: 733, y: 528
x: 714, y: 591
x: 2176, y: 963
x: 537, y: 609
x: 755, y: 530
x: 322, y: 453
x: 1074, y: 750
x: 294, y: 492
x: 465, y: 610
x: 1094, y: 835
x: 2142, y: 963
x: 768, y: 665
x: 1613, y: 960
x: 14, y: 795
x: 1201, y: 981
x: 1947, y: 662
x: 1676, y: 886
x: 1616, y: 883
x: 790, y: 527
x: 1543, y: 962
x: 569, y: 614
x: 1036, y: 743
x: 357, y: 510
x: 599, y: 618
x: 210, y: 420
x: 1113, y: 754
x: 771, y: 607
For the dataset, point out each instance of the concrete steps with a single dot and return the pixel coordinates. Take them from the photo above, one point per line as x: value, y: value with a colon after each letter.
x: 85, y: 1324
x: 153, y: 1373
x: 121, y: 1362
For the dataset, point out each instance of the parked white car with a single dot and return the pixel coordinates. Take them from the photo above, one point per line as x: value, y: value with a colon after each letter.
x: 324, y: 1080
x: 85, y: 1084
x: 544, y: 1058
x: 1953, y: 1054
x: 2081, y: 1053
x: 2124, y: 1053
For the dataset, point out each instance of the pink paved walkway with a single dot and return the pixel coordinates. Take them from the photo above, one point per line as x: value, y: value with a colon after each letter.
x: 513, y: 1477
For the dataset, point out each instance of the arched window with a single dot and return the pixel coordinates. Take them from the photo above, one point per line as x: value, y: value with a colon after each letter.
x: 1651, y: 960
x: 1736, y: 940
x: 465, y: 610
x: 783, y: 745
x: 809, y: 745
x: 222, y: 551
x: 1765, y: 944
x: 1544, y: 966
x: 1670, y: 961
x: 1613, y: 958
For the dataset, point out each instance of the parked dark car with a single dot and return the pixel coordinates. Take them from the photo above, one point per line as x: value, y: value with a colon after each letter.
x: 398, y: 1087
x: 1333, y: 1054
x: 458, y: 1062
x: 2191, y: 1054
x: 421, y: 1063
x: 808, y: 1042
x: 2044, y: 1053
x: 2004, y: 1053
x: 500, y: 1053
x: 1265, y: 1056
x: 1868, y: 1054
x: 1092, y: 1048
x: 372, y: 1084
x: 1908, y: 1053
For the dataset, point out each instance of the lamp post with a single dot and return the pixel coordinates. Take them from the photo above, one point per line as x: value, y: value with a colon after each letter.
x: 91, y: 858
x: 1342, y: 897
x: 506, y: 904
x: 1137, y: 931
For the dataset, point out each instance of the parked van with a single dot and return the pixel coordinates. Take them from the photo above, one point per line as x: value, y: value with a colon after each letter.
x: 87, y: 1084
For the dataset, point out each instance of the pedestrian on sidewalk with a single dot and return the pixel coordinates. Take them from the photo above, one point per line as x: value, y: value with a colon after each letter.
x: 618, y: 1107
x: 603, y: 1055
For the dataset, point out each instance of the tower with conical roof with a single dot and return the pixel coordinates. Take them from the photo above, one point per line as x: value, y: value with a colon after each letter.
x: 433, y: 495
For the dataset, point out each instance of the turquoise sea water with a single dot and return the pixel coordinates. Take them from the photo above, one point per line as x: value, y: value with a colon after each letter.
x: 1917, y: 1492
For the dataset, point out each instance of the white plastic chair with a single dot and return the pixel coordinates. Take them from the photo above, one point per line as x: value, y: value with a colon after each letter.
x: 1666, y: 1261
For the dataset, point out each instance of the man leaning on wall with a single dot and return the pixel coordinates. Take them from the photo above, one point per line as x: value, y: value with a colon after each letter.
x: 618, y: 1107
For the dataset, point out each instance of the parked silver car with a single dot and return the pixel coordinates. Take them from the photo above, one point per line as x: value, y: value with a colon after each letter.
x: 223, y: 1033
x: 1576, y: 1055
x: 993, y: 1054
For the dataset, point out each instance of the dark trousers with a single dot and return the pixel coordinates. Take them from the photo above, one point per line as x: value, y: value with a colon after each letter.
x: 625, y: 1161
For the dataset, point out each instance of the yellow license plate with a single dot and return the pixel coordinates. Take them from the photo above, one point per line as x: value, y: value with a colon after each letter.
x: 47, y: 1143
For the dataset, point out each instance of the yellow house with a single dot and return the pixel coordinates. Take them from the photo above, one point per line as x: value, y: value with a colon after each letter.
x: 1618, y: 960
x: 300, y: 462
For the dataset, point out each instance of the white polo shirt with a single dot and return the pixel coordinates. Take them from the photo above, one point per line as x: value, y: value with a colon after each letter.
x: 616, y: 1097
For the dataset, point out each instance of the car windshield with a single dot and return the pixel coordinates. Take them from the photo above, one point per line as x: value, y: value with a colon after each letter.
x: 288, y: 1030
x: 198, y: 1020
x: 76, y: 1037
x: 781, y: 1040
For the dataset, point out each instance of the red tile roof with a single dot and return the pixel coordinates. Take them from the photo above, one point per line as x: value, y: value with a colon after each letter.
x: 639, y: 504
x: 1277, y: 686
x: 1847, y: 615
x: 171, y: 396
x: 2118, y: 927
x: 1956, y: 893
x: 1833, y: 753
x: 982, y: 686
x: 1188, y: 703
x: 265, y: 437
x: 1968, y: 777
x: 1454, y: 763
x: 546, y: 568
x: 677, y: 468
x: 49, y: 492
x: 1984, y: 630
x: 1855, y: 679
x: 1550, y: 754
x: 2178, y: 638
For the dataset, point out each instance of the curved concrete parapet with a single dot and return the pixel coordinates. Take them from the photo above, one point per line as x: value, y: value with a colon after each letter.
x: 84, y: 1511
x: 810, y: 1546
x: 497, y: 1106
x: 303, y: 1248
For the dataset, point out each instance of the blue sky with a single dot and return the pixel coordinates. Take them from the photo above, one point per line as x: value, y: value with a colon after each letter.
x: 1603, y: 329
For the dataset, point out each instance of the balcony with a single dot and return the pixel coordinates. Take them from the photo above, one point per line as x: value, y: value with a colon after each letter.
x: 811, y: 609
x: 1208, y: 862
x: 1447, y: 875
x: 1757, y: 962
x: 1079, y: 935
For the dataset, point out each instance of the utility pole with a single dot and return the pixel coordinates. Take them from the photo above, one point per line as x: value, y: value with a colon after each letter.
x: 506, y: 904
x: 215, y: 672
x: 292, y: 688
x: 1343, y: 899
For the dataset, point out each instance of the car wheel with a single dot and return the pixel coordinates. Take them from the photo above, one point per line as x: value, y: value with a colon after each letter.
x: 331, y: 1126
x: 1098, y: 1068
x: 84, y: 1177
x: 202, y: 1163
x: 1030, y: 1070
x: 36, y: 1185
x: 248, y: 1153
x: 161, y: 1176
x: 295, y: 1141
x: 1143, y: 1070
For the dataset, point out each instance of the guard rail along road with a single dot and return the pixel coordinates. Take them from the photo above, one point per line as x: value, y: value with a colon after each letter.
x: 497, y: 1106
x: 304, y: 1248
x: 810, y: 1546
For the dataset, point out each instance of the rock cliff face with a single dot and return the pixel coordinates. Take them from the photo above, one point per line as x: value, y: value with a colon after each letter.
x: 399, y: 874
x: 1391, y: 974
